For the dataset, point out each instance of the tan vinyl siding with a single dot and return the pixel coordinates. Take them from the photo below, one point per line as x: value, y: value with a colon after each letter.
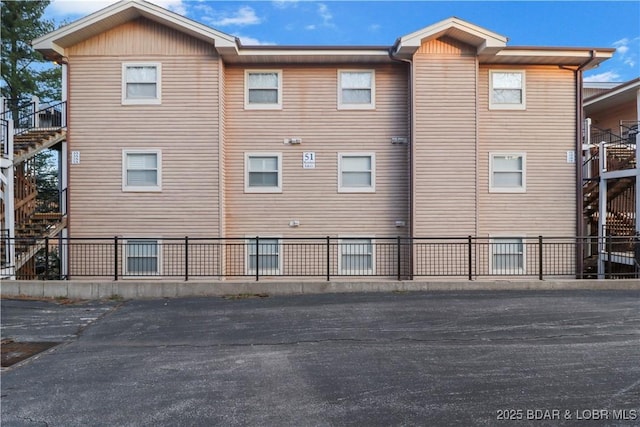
x: 184, y: 127
x: 445, y: 140
x: 139, y: 38
x: 545, y: 131
x: 310, y: 195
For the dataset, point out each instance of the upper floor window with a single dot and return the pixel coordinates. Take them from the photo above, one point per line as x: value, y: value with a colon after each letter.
x: 507, y: 172
x: 356, y: 172
x: 263, y: 173
x: 141, y: 170
x: 507, y: 90
x: 141, y: 83
x: 356, y: 89
x: 263, y: 89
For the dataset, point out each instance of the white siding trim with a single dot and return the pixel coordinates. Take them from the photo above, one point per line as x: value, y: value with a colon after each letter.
x: 150, y: 101
x: 250, y: 106
x: 370, y: 189
x: 125, y: 258
x: 503, y: 106
x: 345, y: 239
x: 345, y: 106
x: 275, y: 189
x: 495, y: 189
x: 493, y: 238
x: 141, y: 189
x: 249, y: 240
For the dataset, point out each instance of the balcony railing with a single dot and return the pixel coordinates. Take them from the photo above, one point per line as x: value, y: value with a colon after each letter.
x: 328, y: 258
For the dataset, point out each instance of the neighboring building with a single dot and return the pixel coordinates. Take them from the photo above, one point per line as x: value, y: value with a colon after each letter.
x: 611, y: 172
x: 176, y: 129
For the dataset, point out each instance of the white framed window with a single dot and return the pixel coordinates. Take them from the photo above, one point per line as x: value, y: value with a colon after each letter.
x: 507, y: 255
x: 356, y: 256
x: 356, y: 89
x: 263, y: 89
x: 141, y: 170
x: 507, y: 90
x: 264, y: 254
x: 141, y: 83
x: 356, y: 172
x: 263, y: 172
x: 507, y: 172
x: 142, y: 257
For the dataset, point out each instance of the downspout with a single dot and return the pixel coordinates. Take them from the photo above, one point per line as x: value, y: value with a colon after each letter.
x: 410, y: 85
x: 578, y: 72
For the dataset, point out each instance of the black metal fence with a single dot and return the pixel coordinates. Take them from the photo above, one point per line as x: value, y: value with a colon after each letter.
x: 329, y: 258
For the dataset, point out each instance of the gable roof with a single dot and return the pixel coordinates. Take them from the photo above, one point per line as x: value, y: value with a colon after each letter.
x: 53, y: 45
x: 490, y: 47
x: 482, y: 39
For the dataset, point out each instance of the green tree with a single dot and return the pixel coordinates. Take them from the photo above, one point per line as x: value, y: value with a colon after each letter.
x: 24, y: 71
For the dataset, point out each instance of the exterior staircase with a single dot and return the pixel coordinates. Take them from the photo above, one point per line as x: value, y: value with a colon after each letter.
x: 609, y: 205
x: 27, y: 221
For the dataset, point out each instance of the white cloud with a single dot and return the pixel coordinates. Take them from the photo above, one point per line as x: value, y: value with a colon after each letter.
x: 627, y: 51
x: 243, y: 16
x: 251, y: 41
x: 607, y: 76
x: 284, y: 4
x: 325, y: 14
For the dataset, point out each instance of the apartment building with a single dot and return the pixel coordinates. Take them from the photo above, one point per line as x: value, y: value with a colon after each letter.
x: 176, y: 129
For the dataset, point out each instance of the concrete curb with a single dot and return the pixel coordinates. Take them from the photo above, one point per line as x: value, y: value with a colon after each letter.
x: 78, y: 289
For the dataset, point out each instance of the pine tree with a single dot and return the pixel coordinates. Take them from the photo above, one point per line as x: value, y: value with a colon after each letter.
x: 24, y: 71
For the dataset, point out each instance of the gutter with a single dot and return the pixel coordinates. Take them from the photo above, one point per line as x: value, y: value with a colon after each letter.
x: 392, y: 51
x: 579, y: 177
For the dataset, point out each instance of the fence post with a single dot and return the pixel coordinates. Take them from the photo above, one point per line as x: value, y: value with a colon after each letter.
x: 609, y: 252
x: 328, y: 259
x: 46, y: 257
x: 186, y: 258
x: 399, y: 259
x: 115, y: 258
x: 470, y: 257
x: 540, y: 258
x: 257, y: 258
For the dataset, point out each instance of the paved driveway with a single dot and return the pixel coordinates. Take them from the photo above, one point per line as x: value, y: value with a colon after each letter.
x: 472, y: 358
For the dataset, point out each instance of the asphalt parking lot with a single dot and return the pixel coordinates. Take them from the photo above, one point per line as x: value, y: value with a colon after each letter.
x: 525, y: 358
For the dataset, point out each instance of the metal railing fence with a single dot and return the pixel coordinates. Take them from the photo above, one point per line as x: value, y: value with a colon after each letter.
x: 328, y: 258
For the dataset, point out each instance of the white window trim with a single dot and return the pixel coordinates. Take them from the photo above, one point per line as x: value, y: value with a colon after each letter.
x: 125, y: 258
x: 345, y: 106
x: 276, y: 189
x: 271, y: 272
x: 345, y: 239
x: 151, y: 101
x: 248, y: 105
x: 493, y: 239
x: 521, y: 189
x: 498, y: 106
x: 141, y: 189
x: 372, y: 188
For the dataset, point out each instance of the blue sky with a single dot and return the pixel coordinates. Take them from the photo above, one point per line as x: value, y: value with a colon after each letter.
x: 606, y: 24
